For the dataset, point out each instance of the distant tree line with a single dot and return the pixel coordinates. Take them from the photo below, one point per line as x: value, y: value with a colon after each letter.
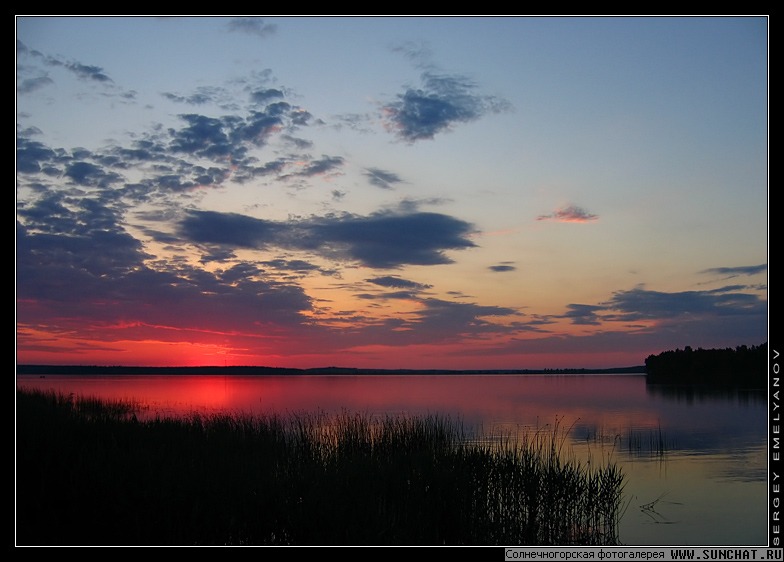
x: 44, y: 370
x: 743, y: 366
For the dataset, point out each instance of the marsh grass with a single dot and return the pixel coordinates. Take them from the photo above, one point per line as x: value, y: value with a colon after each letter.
x: 652, y: 442
x: 89, y: 473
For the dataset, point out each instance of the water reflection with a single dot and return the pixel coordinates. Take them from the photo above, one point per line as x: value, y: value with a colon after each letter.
x: 604, y: 408
x: 700, y: 393
x: 698, y: 455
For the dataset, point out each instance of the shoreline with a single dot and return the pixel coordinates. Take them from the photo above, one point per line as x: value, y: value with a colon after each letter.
x: 260, y: 370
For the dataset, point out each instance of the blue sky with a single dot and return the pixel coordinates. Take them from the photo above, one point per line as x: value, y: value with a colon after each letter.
x: 456, y: 192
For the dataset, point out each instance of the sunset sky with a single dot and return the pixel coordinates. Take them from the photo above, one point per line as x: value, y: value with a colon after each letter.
x: 389, y: 192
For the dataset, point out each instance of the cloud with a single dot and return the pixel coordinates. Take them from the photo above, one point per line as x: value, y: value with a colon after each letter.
x: 569, y: 213
x: 400, y: 295
x: 386, y: 240
x: 30, y: 154
x: 503, y: 267
x: 266, y: 95
x: 418, y: 53
x: 735, y: 271
x: 441, y: 102
x: 451, y: 320
x: 87, y: 71
x: 203, y: 136
x: 382, y: 178
x: 642, y: 304
x: 252, y: 26
x: 583, y: 314
x: 82, y: 71
x: 381, y: 240
x: 658, y: 319
x: 319, y: 167
x: 79, y: 270
x: 229, y: 229
x: 201, y: 96
x: 435, y: 321
x: 298, y: 266
x: 29, y: 85
x: 87, y: 174
x: 173, y: 160
x: 397, y: 283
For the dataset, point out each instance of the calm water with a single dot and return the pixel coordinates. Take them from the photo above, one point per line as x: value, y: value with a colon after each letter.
x: 709, y: 487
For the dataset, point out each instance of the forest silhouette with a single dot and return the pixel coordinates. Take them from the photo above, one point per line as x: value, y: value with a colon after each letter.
x: 744, y: 366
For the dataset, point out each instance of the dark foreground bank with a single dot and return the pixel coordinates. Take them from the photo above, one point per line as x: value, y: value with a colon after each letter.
x: 89, y: 473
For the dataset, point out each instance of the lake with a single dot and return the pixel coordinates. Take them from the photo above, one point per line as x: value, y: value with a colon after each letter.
x: 695, y: 461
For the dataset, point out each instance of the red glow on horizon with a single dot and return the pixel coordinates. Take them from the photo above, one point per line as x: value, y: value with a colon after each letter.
x: 189, y: 354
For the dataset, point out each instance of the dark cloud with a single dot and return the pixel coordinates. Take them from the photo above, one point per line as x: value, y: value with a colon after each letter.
x: 165, y: 159
x: 389, y: 241
x: 240, y: 272
x: 657, y: 319
x: 441, y: 102
x: 81, y: 240
x: 89, y: 72
x: 382, y: 240
x: 435, y: 321
x: 397, y: 295
x: 408, y: 205
x: 382, y: 178
x: 298, y: 266
x: 30, y: 155
x: 87, y: 174
x: 81, y: 268
x: 173, y: 183
x: 139, y: 151
x: 252, y: 26
x: 735, y: 271
x: 229, y: 229
x: 77, y: 268
x: 203, y: 136
x: 296, y: 142
x: 570, y: 213
x: 203, y: 95
x: 80, y: 70
x: 257, y: 128
x: 641, y: 304
x: 451, y: 320
x: 84, y: 71
x: 218, y: 255
x: 300, y: 117
x: 29, y: 85
x: 245, y: 172
x: 397, y: 283
x: 216, y: 138
x: 502, y: 268
x: 263, y: 96
x: 583, y: 314
x: 319, y: 167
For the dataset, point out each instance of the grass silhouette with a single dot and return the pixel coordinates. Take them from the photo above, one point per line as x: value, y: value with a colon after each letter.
x: 90, y: 473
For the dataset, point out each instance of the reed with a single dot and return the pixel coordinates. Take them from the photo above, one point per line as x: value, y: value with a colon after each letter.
x: 651, y: 442
x: 103, y: 478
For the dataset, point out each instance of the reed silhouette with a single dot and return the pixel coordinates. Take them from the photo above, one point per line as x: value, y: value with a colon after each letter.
x: 93, y: 473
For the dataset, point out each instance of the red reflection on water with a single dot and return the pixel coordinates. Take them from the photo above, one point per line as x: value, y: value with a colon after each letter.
x: 702, y: 486
x: 506, y: 400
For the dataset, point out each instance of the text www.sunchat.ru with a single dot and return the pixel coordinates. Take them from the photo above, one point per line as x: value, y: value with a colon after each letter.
x: 642, y: 554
